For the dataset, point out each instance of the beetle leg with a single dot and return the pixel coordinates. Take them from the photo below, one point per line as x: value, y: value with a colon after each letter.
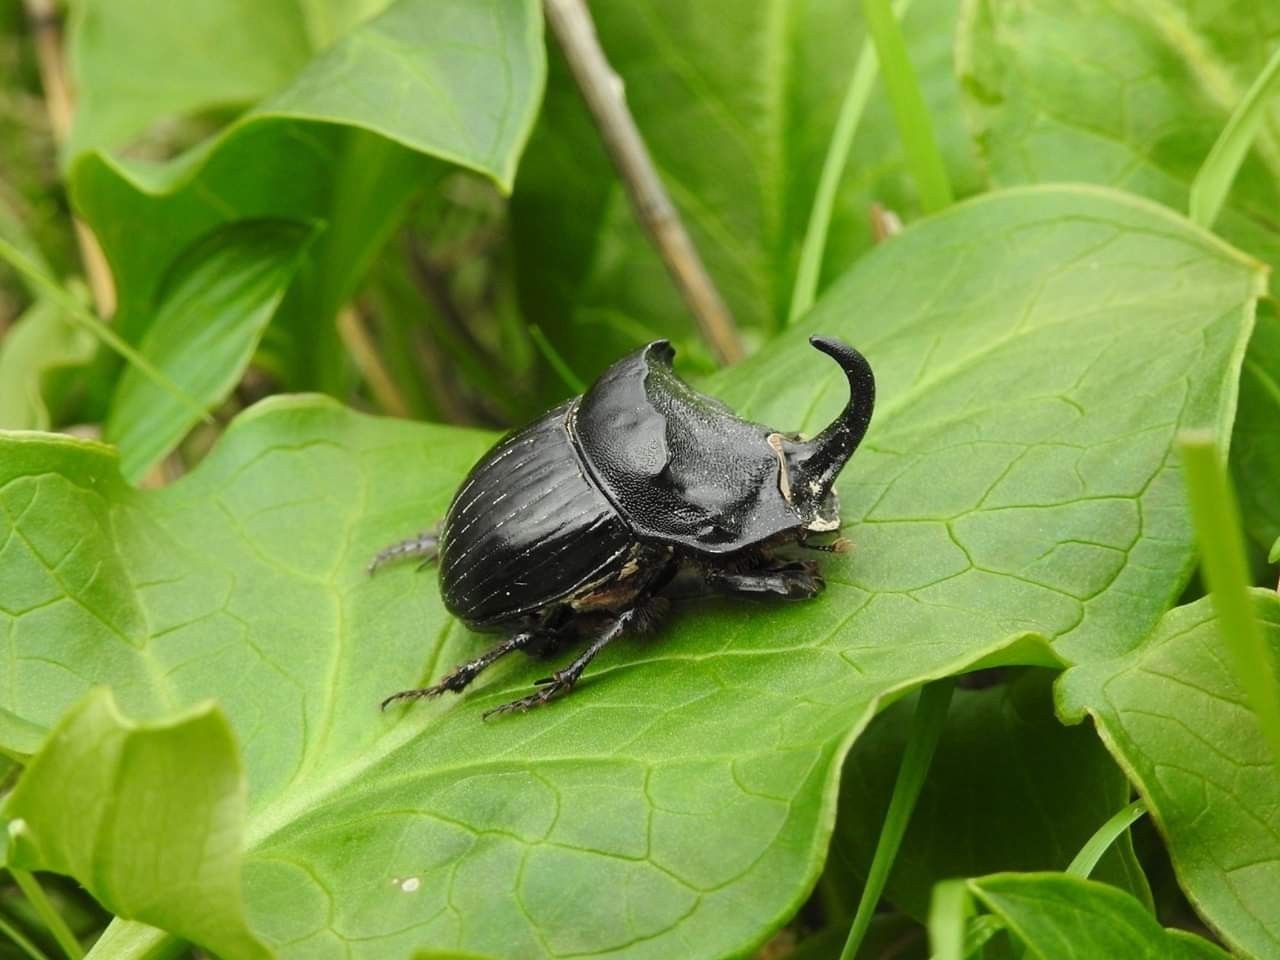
x: 424, y: 545
x: 562, y: 681
x: 461, y: 675
x: 798, y: 580
x: 838, y: 545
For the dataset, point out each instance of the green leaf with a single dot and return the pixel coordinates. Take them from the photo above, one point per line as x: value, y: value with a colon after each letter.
x: 41, y: 344
x: 1173, y: 715
x: 149, y: 816
x: 738, y: 120
x: 1030, y: 348
x: 214, y: 306
x: 1255, y: 444
x: 1060, y: 917
x: 345, y: 141
x: 1010, y: 788
x: 1140, y: 112
x: 118, y: 47
x: 422, y: 74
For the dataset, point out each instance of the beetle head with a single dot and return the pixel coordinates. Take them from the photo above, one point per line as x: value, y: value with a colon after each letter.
x: 813, y: 465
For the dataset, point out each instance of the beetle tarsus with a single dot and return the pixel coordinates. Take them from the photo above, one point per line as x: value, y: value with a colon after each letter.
x: 461, y: 676
x: 425, y: 545
x: 562, y: 681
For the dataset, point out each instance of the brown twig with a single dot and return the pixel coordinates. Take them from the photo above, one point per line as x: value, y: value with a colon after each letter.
x: 47, y: 35
x: 369, y: 362
x: 603, y: 91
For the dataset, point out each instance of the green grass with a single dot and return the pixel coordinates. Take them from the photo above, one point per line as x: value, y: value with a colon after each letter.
x: 1213, y: 182
x: 1222, y: 558
x: 922, y: 740
x: 924, y: 158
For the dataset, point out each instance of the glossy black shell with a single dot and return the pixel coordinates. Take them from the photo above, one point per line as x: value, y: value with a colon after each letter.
x: 680, y: 466
x: 527, y: 527
x: 640, y: 458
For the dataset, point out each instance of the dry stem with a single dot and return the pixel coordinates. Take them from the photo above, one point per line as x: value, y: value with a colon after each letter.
x: 602, y: 89
x: 47, y: 37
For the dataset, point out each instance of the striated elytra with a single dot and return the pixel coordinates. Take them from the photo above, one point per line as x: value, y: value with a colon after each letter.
x: 572, y: 529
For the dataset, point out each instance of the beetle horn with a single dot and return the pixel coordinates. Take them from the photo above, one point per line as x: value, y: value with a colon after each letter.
x: 817, y: 462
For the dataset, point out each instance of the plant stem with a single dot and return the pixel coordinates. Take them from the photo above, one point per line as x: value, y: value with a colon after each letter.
x: 558, y: 363
x: 949, y: 907
x: 364, y: 352
x: 922, y: 740
x: 603, y: 91
x: 1213, y: 181
x: 30, y: 886
x: 924, y: 159
x: 1084, y: 862
x: 25, y: 945
x: 131, y: 940
x: 815, y: 236
x: 47, y: 37
x: 1217, y: 525
x: 83, y: 315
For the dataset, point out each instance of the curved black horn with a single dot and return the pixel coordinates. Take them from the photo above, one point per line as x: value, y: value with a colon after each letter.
x: 820, y: 460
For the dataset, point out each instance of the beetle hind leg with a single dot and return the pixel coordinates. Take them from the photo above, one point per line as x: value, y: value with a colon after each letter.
x: 425, y: 545
x: 562, y: 681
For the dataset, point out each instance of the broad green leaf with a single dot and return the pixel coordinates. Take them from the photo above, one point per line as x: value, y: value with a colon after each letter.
x: 149, y: 816
x: 1141, y: 111
x: 737, y: 105
x: 1173, y: 715
x: 40, y: 344
x: 1059, y: 917
x: 345, y: 141
x: 1255, y: 444
x: 118, y: 49
x: 214, y: 307
x: 1032, y: 348
x: 1010, y: 788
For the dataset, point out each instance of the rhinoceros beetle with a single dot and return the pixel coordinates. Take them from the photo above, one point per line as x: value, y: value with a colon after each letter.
x: 569, y: 529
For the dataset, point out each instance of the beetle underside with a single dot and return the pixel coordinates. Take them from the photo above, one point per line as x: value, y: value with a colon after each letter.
x: 632, y: 598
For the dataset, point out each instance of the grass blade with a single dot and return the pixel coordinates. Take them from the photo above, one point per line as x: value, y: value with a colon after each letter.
x: 557, y: 362
x: 23, y: 944
x: 1222, y: 557
x: 922, y: 740
x: 924, y: 159
x: 84, y: 316
x: 52, y: 920
x: 815, y: 236
x: 1216, y: 174
x: 949, y: 907
x: 1084, y: 862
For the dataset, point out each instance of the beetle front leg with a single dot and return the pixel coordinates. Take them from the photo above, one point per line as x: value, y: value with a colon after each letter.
x: 794, y: 580
x: 425, y: 545
x: 460, y: 676
x: 838, y: 545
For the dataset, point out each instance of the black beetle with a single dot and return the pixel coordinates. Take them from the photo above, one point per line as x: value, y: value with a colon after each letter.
x: 569, y: 528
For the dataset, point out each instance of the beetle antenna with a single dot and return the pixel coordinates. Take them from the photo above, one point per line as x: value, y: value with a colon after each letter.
x: 819, y: 461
